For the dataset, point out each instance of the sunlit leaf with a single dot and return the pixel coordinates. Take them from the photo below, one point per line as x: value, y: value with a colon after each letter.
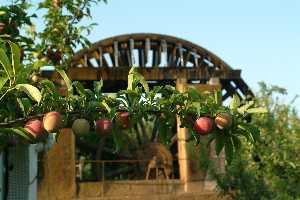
x: 235, y: 102
x: 245, y: 107
x: 106, y: 106
x: 4, y: 61
x: 66, y: 79
x: 38, y: 64
x: 15, y: 57
x: 257, y: 110
x: 133, y: 76
x: 31, y: 91
x: 3, y: 80
x: 98, y: 87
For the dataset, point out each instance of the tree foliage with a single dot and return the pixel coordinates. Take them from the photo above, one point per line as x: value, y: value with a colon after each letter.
x: 270, y: 169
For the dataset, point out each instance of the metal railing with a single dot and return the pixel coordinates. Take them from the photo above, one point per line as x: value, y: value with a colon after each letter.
x: 118, y: 169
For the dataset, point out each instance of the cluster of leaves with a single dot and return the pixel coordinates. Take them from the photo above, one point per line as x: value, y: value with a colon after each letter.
x: 163, y: 104
x: 63, y: 29
x: 13, y: 18
x: 62, y: 33
x: 271, y: 169
x: 13, y: 87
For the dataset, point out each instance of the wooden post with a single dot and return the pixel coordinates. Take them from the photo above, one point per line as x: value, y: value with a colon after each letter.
x: 182, y: 135
x: 59, y: 180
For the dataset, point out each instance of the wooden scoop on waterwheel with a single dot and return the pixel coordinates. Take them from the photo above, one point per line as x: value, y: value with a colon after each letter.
x: 156, y: 161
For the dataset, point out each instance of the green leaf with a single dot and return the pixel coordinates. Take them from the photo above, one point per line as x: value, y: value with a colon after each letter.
x: 236, y: 142
x: 292, y: 165
x: 21, y: 105
x: 49, y: 85
x: 193, y: 93
x: 220, y: 142
x: 229, y: 150
x: 245, y: 107
x: 105, y: 105
x: 66, y: 79
x: 24, y: 104
x: 98, y: 87
x: 218, y: 97
x: 38, y: 64
x: 18, y: 131
x: 211, y: 137
x: 3, y: 80
x: 246, y: 131
x: 130, y: 82
x: 89, y: 93
x: 116, y: 138
x: 23, y: 133
x: 31, y: 91
x: 4, y: 61
x: 135, y: 76
x: 15, y: 57
x: 80, y: 88
x: 257, y: 110
x: 252, y: 130
x: 235, y: 102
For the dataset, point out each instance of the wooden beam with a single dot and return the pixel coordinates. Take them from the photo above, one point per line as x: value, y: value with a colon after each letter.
x: 182, y: 135
x: 157, y: 73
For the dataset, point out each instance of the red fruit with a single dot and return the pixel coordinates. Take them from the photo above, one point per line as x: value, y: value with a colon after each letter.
x: 103, y: 126
x: 57, y: 56
x: 35, y: 128
x: 203, y: 125
x: 52, y: 121
x: 123, y: 119
x: 223, y: 120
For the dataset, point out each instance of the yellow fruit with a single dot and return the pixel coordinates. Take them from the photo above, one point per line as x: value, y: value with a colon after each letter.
x: 52, y: 121
x: 81, y: 126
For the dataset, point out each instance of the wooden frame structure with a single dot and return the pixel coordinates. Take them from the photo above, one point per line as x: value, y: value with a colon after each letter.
x: 161, y: 59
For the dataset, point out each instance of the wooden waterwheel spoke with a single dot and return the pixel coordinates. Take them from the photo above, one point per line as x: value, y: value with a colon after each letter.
x: 172, y: 56
x: 180, y: 51
x: 116, y: 54
x: 131, y: 51
x: 147, y: 49
x: 141, y: 57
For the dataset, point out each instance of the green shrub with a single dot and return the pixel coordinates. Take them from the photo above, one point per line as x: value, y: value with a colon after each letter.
x: 271, y: 168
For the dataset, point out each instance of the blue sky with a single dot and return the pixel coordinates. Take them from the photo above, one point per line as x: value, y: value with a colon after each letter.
x: 261, y: 37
